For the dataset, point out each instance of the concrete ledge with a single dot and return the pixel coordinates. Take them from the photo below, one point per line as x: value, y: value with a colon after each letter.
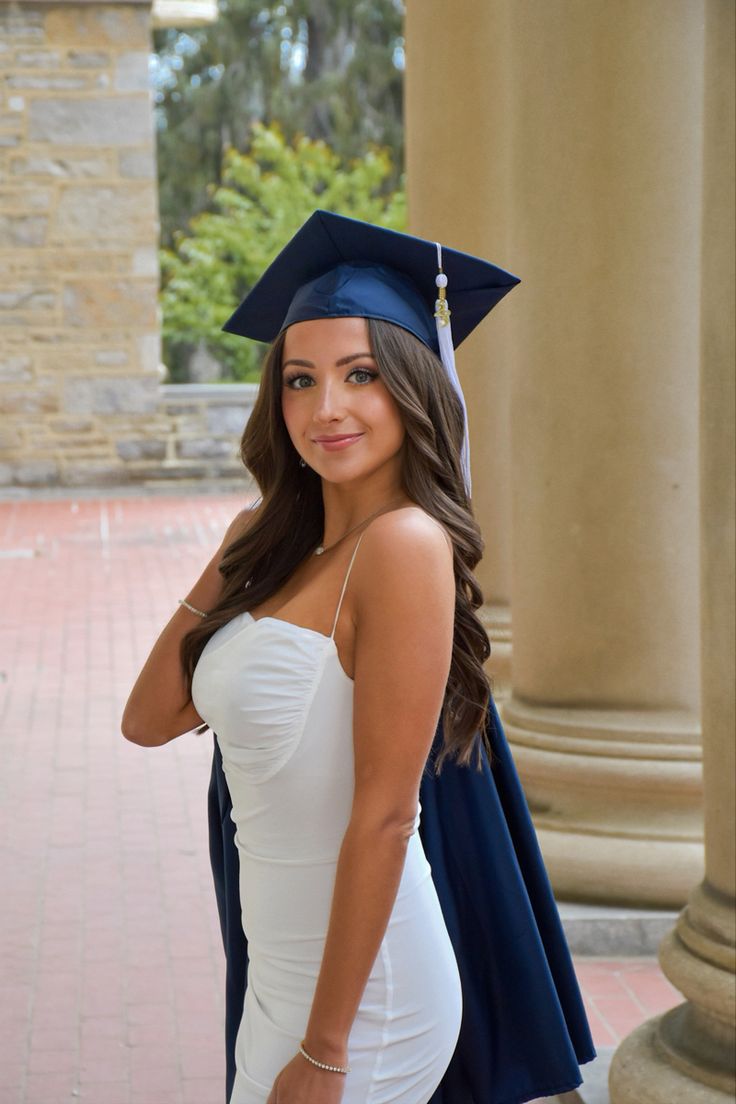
x: 210, y: 392
x: 129, y: 429
x: 617, y: 932
x: 184, y: 13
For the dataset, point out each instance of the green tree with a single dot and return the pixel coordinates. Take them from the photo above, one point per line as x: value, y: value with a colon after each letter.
x: 265, y: 196
x: 330, y: 69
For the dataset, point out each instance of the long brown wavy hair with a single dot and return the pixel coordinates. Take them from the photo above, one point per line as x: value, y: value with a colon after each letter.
x: 288, y: 521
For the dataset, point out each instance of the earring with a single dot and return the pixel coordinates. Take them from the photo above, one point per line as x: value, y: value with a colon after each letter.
x: 302, y: 462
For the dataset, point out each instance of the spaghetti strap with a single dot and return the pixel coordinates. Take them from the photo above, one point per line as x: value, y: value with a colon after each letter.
x: 345, y: 583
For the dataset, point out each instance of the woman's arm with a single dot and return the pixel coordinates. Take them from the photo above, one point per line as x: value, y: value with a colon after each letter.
x: 159, y: 708
x: 404, y: 590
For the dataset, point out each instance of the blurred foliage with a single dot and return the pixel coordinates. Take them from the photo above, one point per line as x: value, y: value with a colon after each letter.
x: 328, y: 69
x: 265, y: 196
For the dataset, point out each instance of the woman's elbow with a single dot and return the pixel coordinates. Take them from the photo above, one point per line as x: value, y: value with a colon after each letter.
x: 399, y: 823
x: 142, y: 734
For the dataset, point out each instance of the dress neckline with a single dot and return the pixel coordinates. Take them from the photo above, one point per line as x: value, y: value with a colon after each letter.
x: 283, y: 621
x: 306, y: 629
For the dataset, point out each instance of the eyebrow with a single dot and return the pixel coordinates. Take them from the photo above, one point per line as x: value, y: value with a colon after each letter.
x: 338, y: 363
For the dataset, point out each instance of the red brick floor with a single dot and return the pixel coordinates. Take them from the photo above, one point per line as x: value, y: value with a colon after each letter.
x: 111, y: 967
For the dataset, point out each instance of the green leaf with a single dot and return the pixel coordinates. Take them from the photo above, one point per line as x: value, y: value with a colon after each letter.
x: 265, y: 196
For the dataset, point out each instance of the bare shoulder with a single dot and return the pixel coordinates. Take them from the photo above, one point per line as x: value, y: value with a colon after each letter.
x: 405, y: 553
x: 406, y: 528
x: 240, y: 524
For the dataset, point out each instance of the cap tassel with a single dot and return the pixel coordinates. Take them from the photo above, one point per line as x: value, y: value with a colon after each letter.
x: 447, y: 355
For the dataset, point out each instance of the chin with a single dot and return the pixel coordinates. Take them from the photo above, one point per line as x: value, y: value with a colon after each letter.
x: 333, y: 474
x: 342, y: 468
x: 357, y: 473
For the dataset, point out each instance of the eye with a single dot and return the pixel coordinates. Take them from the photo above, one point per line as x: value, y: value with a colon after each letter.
x: 290, y: 381
x: 366, y: 372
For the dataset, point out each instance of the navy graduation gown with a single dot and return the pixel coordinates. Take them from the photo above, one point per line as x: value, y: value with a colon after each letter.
x: 226, y: 874
x: 524, y: 1030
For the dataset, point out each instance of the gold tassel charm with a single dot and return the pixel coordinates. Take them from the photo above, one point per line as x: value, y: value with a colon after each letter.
x: 441, y: 308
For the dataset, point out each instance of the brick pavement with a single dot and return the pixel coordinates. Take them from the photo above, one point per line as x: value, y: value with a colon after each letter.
x: 111, y: 968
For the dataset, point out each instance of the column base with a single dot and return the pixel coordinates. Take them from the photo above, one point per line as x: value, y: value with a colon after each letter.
x: 616, y: 800
x: 613, y: 870
x: 688, y: 1054
x: 642, y: 1072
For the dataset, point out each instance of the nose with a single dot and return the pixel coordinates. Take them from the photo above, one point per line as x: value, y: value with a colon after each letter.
x: 328, y: 401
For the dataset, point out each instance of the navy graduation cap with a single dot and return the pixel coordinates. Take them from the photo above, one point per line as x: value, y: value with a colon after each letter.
x: 336, y: 267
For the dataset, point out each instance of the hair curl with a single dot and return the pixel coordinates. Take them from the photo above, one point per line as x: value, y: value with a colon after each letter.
x: 288, y: 521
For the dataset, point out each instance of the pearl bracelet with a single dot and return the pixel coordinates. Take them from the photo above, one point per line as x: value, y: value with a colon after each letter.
x: 193, y: 609
x: 322, y: 1065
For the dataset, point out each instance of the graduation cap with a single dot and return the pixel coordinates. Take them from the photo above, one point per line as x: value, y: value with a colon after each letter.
x: 340, y: 267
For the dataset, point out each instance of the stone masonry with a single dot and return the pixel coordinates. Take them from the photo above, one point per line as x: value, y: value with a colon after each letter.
x: 81, y: 400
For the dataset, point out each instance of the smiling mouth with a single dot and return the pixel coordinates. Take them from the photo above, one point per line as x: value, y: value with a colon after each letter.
x: 337, y: 437
x: 337, y: 444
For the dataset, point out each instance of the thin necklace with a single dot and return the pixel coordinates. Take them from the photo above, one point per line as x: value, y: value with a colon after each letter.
x: 320, y: 549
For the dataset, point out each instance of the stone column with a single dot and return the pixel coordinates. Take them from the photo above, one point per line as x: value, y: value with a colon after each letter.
x: 79, y: 352
x: 457, y: 155
x: 687, y: 1054
x: 604, y: 717
x: 563, y: 139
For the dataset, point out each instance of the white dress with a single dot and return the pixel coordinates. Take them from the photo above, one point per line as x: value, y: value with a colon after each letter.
x: 276, y: 695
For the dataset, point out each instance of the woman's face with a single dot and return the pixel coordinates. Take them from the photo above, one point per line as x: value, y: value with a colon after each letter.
x: 331, y: 388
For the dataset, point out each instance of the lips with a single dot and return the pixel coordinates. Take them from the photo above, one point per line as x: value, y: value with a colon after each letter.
x: 338, y: 437
x: 339, y: 442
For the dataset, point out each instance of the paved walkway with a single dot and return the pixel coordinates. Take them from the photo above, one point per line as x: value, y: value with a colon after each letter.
x: 111, y: 967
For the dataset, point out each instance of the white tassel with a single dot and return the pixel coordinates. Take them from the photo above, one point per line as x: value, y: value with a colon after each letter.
x: 447, y: 355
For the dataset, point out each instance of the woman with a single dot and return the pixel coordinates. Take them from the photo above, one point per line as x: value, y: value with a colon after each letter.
x: 323, y: 643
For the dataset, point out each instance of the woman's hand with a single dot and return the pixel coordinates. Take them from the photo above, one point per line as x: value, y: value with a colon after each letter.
x: 302, y: 1083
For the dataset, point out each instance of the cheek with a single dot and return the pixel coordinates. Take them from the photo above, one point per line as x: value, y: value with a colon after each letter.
x: 290, y: 409
x: 387, y: 414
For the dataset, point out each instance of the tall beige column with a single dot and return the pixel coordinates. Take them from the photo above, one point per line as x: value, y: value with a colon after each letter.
x: 457, y: 155
x: 564, y: 139
x: 607, y: 134
x: 687, y: 1055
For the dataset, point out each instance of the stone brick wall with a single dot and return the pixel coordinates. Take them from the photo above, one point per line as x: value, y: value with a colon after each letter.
x: 81, y: 398
x: 79, y: 328
x: 192, y: 433
x: 199, y: 436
